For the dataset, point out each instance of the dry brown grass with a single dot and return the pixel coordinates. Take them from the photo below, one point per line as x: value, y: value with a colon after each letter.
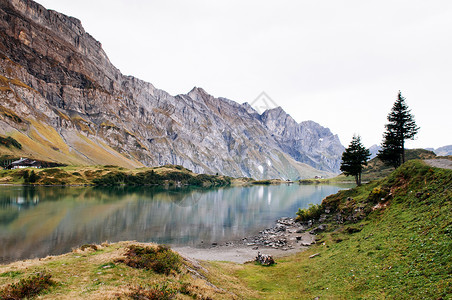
x: 92, y: 274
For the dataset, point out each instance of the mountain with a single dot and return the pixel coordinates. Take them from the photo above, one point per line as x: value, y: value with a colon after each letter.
x: 63, y: 101
x: 444, y: 151
x: 374, y: 150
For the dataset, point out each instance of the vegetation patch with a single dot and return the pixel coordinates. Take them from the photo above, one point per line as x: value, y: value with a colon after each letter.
x: 28, y: 287
x: 311, y: 213
x: 170, y: 175
x: 263, y: 182
x: 88, y: 246
x: 160, y: 259
x: 397, y: 247
x: 10, y: 114
x: 157, y: 292
x: 12, y: 274
x: 10, y: 142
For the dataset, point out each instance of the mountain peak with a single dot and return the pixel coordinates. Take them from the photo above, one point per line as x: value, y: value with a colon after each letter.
x: 85, y: 111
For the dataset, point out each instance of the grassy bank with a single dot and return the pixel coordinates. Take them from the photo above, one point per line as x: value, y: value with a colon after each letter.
x: 393, y: 240
x: 123, y: 270
x: 172, y: 175
x: 110, y: 176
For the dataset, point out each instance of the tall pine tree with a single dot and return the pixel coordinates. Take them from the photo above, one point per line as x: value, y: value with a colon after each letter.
x: 401, y: 127
x: 354, y: 158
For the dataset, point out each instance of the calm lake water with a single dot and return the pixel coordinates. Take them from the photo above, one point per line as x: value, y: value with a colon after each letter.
x: 41, y: 221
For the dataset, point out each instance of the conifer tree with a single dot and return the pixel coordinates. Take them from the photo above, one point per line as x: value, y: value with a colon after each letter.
x: 401, y: 127
x: 354, y: 158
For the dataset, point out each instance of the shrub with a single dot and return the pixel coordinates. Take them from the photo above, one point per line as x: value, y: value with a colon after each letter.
x: 86, y: 246
x: 378, y: 194
x: 26, y: 176
x: 156, y: 292
x: 311, y: 213
x: 28, y: 287
x: 33, y: 177
x: 160, y: 259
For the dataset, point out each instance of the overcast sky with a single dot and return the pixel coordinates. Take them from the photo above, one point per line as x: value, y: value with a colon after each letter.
x: 339, y: 63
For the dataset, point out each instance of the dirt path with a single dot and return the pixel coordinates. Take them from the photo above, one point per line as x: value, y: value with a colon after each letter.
x: 439, y: 163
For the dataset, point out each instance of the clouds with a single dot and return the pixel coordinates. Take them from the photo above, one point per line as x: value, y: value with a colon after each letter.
x: 338, y: 63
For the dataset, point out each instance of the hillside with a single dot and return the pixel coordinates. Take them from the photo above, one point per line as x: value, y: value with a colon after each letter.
x: 376, y: 169
x: 63, y: 101
x: 387, y: 239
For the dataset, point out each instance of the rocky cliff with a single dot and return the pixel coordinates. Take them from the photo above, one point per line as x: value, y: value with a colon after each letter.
x: 64, y: 101
x: 444, y: 151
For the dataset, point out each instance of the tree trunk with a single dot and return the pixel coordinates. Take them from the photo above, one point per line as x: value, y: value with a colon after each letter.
x: 403, y: 151
x: 358, y: 179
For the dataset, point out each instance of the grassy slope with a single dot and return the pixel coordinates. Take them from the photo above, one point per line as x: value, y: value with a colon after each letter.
x: 401, y: 251
x: 375, y: 168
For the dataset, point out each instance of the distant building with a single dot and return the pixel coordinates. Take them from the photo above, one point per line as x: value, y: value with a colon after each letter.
x: 24, y: 163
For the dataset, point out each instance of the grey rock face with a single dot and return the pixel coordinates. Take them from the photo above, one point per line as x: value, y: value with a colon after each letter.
x: 74, y: 106
x: 374, y: 150
x: 307, y: 142
x: 444, y: 151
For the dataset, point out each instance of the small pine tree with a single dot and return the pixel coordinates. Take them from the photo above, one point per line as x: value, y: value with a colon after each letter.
x: 401, y: 127
x: 33, y: 177
x: 26, y: 176
x: 354, y: 158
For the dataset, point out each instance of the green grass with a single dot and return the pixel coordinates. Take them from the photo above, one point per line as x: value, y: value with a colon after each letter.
x: 401, y: 251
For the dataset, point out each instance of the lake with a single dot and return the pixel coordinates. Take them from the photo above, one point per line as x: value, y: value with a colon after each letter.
x: 41, y: 221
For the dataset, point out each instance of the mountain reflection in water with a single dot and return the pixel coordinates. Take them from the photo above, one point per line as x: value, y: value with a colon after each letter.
x: 40, y: 221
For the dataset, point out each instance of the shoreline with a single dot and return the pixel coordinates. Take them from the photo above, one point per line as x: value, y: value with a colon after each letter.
x: 287, y: 237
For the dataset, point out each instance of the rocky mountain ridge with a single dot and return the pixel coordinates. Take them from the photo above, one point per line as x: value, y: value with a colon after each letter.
x: 64, y: 101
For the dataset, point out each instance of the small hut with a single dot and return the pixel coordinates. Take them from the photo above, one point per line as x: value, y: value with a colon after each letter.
x: 24, y: 163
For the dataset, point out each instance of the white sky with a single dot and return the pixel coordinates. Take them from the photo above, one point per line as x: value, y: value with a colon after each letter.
x: 339, y: 63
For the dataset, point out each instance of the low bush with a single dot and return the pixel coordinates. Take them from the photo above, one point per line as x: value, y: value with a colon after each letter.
x: 88, y: 246
x: 156, y: 292
x: 378, y: 194
x: 160, y: 259
x: 28, y: 287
